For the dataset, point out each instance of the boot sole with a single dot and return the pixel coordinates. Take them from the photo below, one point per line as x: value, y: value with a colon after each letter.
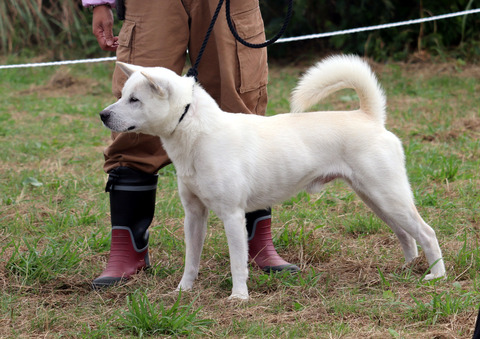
x: 281, y: 268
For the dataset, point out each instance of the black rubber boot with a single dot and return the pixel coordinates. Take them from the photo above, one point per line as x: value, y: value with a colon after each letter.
x: 476, y: 333
x: 260, y: 245
x: 132, y: 206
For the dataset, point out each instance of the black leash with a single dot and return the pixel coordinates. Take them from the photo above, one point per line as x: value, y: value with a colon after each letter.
x: 193, y: 71
x: 266, y: 43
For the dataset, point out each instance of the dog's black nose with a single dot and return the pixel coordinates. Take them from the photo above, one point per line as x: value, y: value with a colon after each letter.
x: 105, y: 115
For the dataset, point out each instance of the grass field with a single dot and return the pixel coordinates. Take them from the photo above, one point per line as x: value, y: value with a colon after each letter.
x: 54, y: 224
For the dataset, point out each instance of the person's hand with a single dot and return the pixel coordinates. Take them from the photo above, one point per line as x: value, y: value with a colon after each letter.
x: 102, y: 27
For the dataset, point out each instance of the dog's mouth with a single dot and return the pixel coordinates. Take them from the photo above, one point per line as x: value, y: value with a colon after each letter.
x: 131, y: 128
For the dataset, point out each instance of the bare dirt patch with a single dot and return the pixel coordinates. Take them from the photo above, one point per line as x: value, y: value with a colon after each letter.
x: 62, y: 83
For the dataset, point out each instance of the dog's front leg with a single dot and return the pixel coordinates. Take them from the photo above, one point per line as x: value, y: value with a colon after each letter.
x: 195, y: 228
x: 236, y: 232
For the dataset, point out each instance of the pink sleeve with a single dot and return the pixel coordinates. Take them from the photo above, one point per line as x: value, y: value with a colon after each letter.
x: 87, y: 3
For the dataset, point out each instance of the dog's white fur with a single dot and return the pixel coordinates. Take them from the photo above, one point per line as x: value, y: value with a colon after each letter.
x: 237, y: 163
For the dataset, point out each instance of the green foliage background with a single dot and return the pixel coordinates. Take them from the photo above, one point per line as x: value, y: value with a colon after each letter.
x: 62, y: 28
x: 460, y: 35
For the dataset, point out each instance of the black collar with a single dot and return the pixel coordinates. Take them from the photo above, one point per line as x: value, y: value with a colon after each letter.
x: 181, y: 117
x: 184, y: 113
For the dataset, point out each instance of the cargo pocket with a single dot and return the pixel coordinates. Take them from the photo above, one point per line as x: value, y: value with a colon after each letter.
x: 125, y: 41
x: 252, y: 61
x: 124, y: 54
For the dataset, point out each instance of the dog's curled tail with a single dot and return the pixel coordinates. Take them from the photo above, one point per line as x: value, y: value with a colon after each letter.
x: 336, y: 73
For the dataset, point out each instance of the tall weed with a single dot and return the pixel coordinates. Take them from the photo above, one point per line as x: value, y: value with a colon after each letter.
x: 56, y: 26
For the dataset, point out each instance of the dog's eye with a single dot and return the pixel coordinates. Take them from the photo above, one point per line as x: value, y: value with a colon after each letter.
x: 133, y: 99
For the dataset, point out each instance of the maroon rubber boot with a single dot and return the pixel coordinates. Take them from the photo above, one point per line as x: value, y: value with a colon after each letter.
x: 132, y: 206
x: 260, y: 245
x: 125, y: 259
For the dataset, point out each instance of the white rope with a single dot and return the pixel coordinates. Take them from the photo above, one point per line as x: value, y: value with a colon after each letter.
x: 59, y: 63
x: 384, y: 26
x: 283, y: 40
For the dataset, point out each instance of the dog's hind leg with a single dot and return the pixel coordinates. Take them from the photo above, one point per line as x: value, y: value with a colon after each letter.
x: 195, y: 228
x: 383, y: 185
x: 408, y: 243
x: 403, y: 218
x: 234, y: 222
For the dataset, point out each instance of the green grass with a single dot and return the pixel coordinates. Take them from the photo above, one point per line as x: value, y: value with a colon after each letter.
x: 143, y: 317
x: 54, y: 224
x: 31, y: 265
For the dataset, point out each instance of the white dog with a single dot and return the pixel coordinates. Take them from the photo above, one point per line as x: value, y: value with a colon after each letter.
x: 238, y: 163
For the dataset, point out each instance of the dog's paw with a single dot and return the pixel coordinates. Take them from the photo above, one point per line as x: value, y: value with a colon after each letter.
x: 432, y: 276
x: 178, y: 289
x: 184, y: 287
x: 239, y: 297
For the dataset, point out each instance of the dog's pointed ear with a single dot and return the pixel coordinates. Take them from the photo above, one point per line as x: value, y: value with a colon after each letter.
x: 159, y: 89
x: 128, y: 69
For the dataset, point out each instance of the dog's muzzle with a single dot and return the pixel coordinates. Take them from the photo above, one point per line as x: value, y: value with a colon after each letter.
x: 105, y: 116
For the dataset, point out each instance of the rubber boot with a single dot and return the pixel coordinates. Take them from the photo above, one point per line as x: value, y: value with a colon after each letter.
x: 132, y: 205
x: 476, y: 332
x: 260, y: 246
